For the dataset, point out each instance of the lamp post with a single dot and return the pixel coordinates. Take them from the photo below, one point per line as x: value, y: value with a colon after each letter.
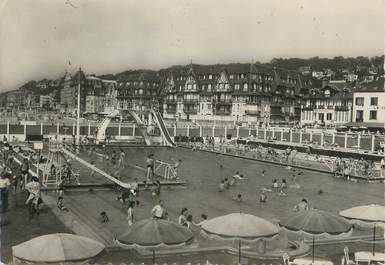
x: 78, y: 112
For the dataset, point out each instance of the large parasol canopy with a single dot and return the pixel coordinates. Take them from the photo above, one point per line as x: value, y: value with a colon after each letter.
x: 241, y: 227
x: 317, y: 223
x: 156, y: 233
x: 57, y: 248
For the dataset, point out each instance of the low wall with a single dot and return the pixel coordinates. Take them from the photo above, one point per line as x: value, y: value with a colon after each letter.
x: 368, y: 142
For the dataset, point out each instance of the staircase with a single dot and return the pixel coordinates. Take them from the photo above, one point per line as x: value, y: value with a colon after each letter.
x: 142, y: 127
x: 101, y: 131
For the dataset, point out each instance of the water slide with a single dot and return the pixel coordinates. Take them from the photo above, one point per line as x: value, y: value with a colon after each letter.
x: 85, y: 163
x: 142, y: 127
x: 165, y: 134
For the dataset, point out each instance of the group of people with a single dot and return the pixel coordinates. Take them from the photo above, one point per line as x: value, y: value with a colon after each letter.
x: 185, y: 218
x: 24, y: 180
x: 226, y: 183
x: 345, y: 168
x: 279, y: 187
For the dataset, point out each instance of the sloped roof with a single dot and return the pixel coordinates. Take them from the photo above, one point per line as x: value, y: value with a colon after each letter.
x: 375, y: 86
x: 79, y: 75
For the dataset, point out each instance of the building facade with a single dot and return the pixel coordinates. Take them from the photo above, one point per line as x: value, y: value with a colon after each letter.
x: 369, y: 104
x: 330, y: 105
x: 232, y: 92
x: 95, y: 94
x: 138, y: 90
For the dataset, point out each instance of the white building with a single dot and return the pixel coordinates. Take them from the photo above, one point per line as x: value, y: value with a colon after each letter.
x: 331, y: 105
x: 369, y: 105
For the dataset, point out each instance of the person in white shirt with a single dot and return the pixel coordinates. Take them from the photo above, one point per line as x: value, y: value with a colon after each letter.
x: 121, y: 159
x: 33, y: 188
x: 158, y: 210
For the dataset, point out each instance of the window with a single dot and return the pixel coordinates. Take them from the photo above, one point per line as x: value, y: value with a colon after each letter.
x: 373, y: 115
x: 208, y: 106
x: 359, y: 101
x: 245, y: 86
x: 329, y: 116
x: 374, y: 101
x: 236, y: 87
x: 210, y: 76
x: 359, y: 116
x: 231, y: 76
x: 209, y: 87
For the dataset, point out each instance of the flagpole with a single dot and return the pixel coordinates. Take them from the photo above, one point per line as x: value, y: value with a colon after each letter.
x: 78, y: 112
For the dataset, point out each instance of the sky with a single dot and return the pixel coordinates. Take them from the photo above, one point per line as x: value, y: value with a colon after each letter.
x: 44, y: 38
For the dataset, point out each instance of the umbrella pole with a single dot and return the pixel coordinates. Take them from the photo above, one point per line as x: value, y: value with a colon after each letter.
x: 313, y: 250
x: 153, y: 256
x: 374, y: 239
x: 239, y: 251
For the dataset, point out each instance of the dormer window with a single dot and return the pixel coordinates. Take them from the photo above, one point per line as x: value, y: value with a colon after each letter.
x: 327, y: 93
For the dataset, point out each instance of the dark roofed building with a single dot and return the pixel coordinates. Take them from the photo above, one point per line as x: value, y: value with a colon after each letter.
x: 241, y: 92
x: 138, y: 90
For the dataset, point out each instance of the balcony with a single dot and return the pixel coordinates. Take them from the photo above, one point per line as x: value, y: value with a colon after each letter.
x: 222, y: 112
x: 223, y: 102
x: 253, y: 113
x: 190, y: 101
x: 255, y: 103
x: 171, y: 101
x: 308, y: 108
x: 341, y: 108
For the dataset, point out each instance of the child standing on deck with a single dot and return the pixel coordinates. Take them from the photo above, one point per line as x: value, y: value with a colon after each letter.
x: 122, y: 155
x: 130, y: 213
x: 150, y: 168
